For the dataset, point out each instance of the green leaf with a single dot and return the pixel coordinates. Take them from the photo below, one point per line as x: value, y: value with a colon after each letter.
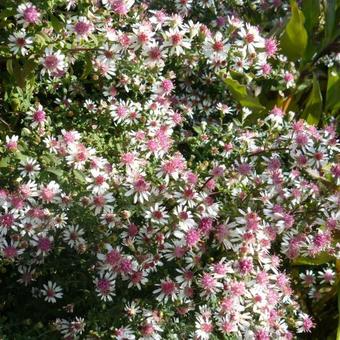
x: 57, y: 172
x: 294, y: 39
x: 239, y: 92
x: 333, y: 89
x: 4, y: 162
x: 330, y: 19
x: 9, y: 66
x: 313, y: 261
x: 313, y: 110
x: 79, y: 176
x: 20, y: 156
x: 87, y: 67
x: 56, y: 23
x: 197, y: 129
x: 311, y: 11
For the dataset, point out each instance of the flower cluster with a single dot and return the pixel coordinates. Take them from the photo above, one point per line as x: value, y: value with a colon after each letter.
x: 202, y: 242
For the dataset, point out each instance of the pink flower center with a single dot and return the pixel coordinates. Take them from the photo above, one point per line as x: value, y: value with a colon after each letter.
x: 168, y: 287
x: 113, y: 258
x: 99, y: 201
x: 51, y: 62
x: 155, y: 53
x: 167, y: 85
x: 207, y: 327
x: 147, y: 329
x: 104, y: 286
x: 140, y: 185
x: 192, y: 237
x: 99, y: 180
x: 31, y: 15
x: 82, y: 28
x: 39, y: 116
x: 10, y: 252
x: 7, y: 220
x: 249, y: 38
x: 44, y: 244
x: 50, y: 292
x: 21, y: 42
x: 176, y: 39
x: 218, y: 46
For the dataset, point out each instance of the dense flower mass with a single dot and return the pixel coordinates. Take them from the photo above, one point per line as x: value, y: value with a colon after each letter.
x: 149, y: 191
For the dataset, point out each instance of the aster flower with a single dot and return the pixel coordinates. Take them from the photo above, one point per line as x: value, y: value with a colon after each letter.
x: 53, y: 62
x: 52, y: 292
x: 81, y: 26
x: 73, y: 236
x: 28, y: 14
x: 29, y: 167
x: 167, y: 290
x: 105, y: 286
x: 37, y: 116
x: 20, y: 43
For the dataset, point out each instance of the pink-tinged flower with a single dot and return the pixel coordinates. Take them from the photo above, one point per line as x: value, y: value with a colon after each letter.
x: 327, y: 276
x: 37, y: 116
x: 82, y: 27
x: 205, y: 225
x: 70, y: 329
x: 172, y: 168
x: 245, y: 266
x: 102, y: 203
x: 28, y: 14
x: 192, y: 237
x: 20, y: 43
x: 308, y: 278
x: 262, y: 335
x: 288, y: 79
x: 10, y: 251
x: 43, y: 243
x: 250, y: 39
x: 52, y: 292
x: 167, y: 290
x: 176, y: 41
x: 185, y: 278
x: 157, y: 214
x: 137, y: 278
x: 53, y: 62
x: 98, y: 181
x: 120, y: 7
x: 216, y: 46
x: 163, y: 87
x: 142, y: 37
x: 78, y: 155
x: 150, y: 329
x: 155, y: 55
x: 140, y: 189
x: 209, y: 285
x: 112, y: 259
x: 27, y: 275
x: 305, y: 323
x: 204, y: 327
x: 270, y: 47
x: 12, y: 143
x: 73, y: 236
x: 49, y: 192
x: 105, y: 286
x: 124, y: 333
x: 28, y: 167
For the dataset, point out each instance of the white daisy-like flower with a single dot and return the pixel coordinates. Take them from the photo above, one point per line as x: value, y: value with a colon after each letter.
x: 52, y: 292
x: 20, y: 43
x: 53, y: 62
